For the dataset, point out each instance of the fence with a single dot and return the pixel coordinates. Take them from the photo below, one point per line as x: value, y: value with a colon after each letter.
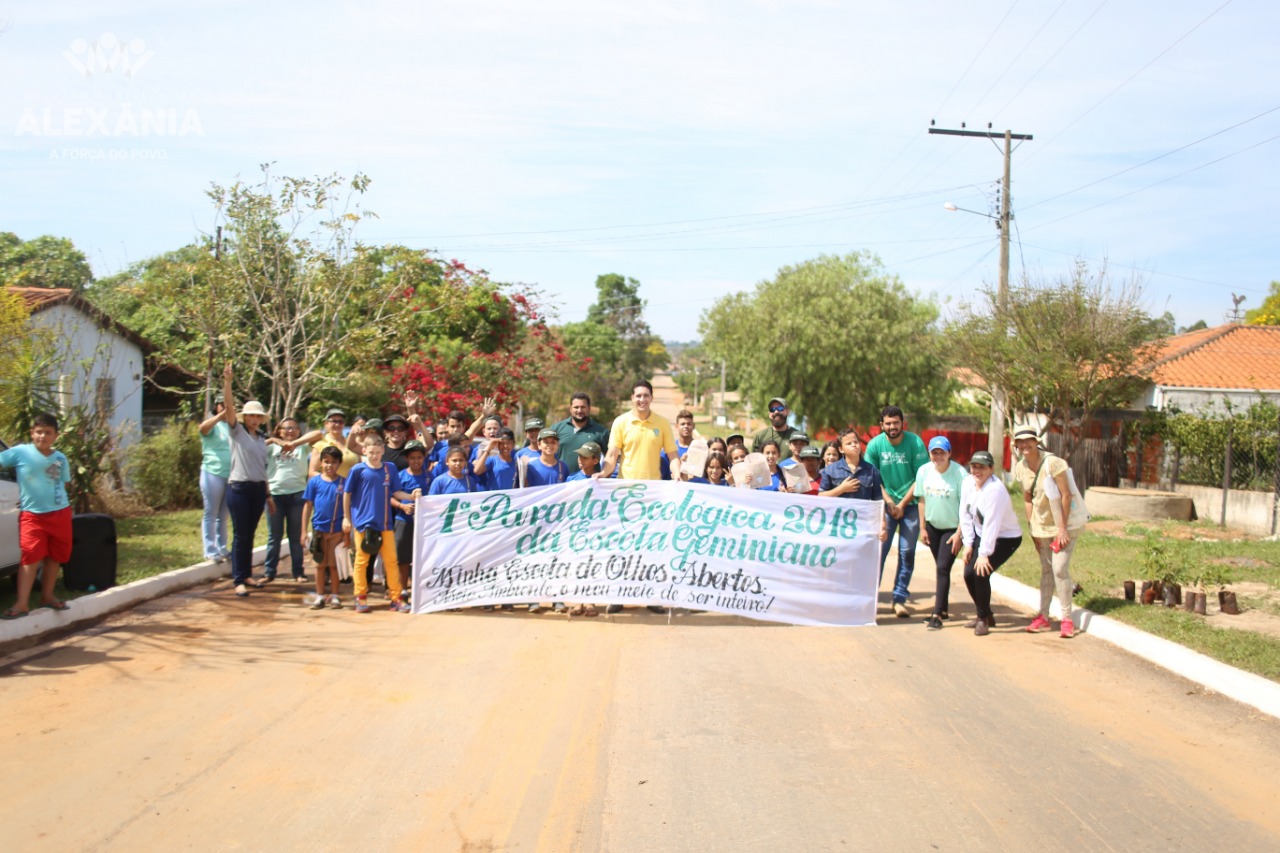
x: 1229, y: 463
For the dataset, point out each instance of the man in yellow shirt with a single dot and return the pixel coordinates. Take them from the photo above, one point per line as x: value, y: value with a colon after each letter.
x: 639, y: 436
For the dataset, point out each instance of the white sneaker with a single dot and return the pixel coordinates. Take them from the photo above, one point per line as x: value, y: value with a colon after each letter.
x: 335, y: 602
x: 318, y: 604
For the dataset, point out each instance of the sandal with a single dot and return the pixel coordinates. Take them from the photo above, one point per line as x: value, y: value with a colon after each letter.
x: 577, y: 610
x: 590, y: 610
x: 56, y: 605
x: 14, y: 613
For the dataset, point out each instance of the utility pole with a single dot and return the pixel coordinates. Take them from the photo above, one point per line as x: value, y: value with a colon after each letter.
x: 995, y: 427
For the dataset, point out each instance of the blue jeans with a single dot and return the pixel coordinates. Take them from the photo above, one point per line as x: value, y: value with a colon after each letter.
x: 246, y: 500
x: 908, y: 530
x: 216, y: 521
x: 288, y: 512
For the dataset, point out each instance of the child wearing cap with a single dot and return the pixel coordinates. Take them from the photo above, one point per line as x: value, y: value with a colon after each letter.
x: 532, y: 429
x: 414, y: 479
x: 809, y: 458
x: 938, y: 487
x: 797, y: 442
x: 322, y: 518
x: 588, y: 461
x: 546, y: 469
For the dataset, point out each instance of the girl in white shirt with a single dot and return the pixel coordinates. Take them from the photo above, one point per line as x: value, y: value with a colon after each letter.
x: 990, y: 532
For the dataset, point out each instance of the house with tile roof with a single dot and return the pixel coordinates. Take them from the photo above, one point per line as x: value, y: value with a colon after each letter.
x: 102, y: 364
x: 1201, y: 371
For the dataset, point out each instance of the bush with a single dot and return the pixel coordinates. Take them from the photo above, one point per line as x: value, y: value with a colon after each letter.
x: 164, y: 468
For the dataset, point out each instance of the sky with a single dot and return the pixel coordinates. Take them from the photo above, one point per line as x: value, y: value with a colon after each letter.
x: 697, y: 146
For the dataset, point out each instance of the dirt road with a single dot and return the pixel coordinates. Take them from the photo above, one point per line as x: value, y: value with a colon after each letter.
x: 201, y: 721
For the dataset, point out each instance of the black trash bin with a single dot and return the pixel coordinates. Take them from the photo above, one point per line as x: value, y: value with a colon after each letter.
x: 93, y: 553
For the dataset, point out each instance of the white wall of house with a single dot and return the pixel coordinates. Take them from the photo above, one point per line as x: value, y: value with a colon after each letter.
x: 1202, y: 400
x: 96, y: 367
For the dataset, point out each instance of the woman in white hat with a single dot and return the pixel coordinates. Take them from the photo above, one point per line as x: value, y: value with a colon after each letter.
x: 247, y: 492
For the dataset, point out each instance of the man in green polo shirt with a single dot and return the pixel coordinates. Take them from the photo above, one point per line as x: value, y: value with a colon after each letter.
x: 777, y: 430
x: 898, y: 455
x: 579, y: 429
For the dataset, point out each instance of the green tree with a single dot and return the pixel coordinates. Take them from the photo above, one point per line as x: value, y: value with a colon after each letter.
x: 1194, y: 327
x: 835, y: 336
x: 43, y: 262
x: 1268, y: 313
x: 619, y: 306
x: 1066, y: 347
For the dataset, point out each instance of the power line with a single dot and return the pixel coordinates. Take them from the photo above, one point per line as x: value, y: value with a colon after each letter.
x: 1157, y: 183
x: 1152, y: 160
x: 1126, y: 81
x: 799, y: 211
x: 1018, y: 56
x: 1052, y: 56
x: 1109, y: 262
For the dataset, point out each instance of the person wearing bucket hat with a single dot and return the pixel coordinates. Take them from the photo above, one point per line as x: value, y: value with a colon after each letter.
x: 247, y: 492
x: 331, y: 435
x: 990, y: 533
x: 938, y: 487
x: 1049, y: 495
x: 215, y: 467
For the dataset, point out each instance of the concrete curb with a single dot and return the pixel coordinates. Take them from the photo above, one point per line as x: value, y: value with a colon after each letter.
x: 95, y: 605
x: 1252, y: 690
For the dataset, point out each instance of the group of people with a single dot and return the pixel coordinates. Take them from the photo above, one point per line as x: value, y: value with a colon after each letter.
x: 358, y: 485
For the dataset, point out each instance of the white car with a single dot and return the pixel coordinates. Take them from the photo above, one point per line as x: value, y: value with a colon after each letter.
x: 10, y: 555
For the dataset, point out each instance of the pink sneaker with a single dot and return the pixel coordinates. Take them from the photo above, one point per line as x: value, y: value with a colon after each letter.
x: 1038, y: 624
x: 1068, y: 629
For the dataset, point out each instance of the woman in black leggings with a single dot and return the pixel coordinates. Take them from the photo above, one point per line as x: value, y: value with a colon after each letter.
x: 990, y: 532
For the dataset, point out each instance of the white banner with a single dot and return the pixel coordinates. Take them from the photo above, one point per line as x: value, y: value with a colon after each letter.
x: 766, y: 555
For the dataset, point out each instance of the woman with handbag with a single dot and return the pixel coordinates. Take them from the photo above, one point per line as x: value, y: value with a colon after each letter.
x: 1057, y: 515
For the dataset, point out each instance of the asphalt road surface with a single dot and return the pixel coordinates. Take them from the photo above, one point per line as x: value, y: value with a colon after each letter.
x: 204, y: 722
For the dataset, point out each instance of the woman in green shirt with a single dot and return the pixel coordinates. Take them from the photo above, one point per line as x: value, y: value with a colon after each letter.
x: 937, y: 491
x: 215, y: 467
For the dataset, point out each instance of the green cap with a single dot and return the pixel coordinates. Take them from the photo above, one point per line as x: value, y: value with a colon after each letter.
x: 548, y: 433
x: 809, y: 452
x: 533, y: 423
x: 589, y: 449
x: 410, y: 446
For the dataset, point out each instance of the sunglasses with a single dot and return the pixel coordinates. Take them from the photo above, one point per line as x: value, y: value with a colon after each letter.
x: 397, y: 429
x: 776, y: 409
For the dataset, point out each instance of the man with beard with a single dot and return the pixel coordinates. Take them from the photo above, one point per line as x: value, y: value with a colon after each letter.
x: 579, y: 429
x: 898, y: 455
x: 777, y: 430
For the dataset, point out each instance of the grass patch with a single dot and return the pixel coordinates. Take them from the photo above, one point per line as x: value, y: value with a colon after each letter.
x: 1102, y: 562
x: 146, y: 546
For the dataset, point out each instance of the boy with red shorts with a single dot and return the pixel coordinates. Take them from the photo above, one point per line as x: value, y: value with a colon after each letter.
x: 44, y: 520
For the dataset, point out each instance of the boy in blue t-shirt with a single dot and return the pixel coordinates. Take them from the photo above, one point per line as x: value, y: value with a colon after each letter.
x: 44, y: 517
x: 456, y: 480
x: 413, y: 479
x: 588, y: 461
x: 322, y: 517
x: 367, y: 515
x: 546, y: 469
